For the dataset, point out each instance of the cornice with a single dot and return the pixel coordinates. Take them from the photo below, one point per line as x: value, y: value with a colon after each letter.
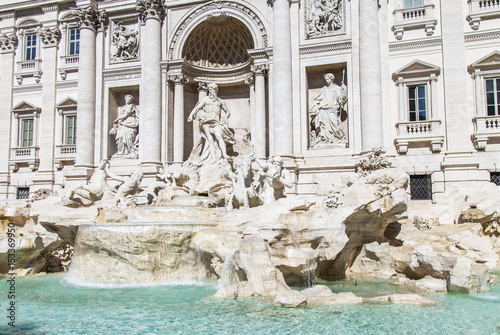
x: 322, y: 48
x: 485, y: 35
x: 122, y: 73
x: 431, y: 42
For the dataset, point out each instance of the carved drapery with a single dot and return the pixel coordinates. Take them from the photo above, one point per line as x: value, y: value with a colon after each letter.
x: 50, y: 37
x: 150, y: 9
x: 8, y: 43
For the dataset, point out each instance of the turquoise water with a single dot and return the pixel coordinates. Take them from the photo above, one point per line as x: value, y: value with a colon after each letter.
x: 50, y: 305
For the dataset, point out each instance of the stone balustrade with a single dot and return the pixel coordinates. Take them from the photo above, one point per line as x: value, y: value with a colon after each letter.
x: 64, y: 153
x: 24, y: 156
x: 485, y: 128
x: 481, y: 10
x: 68, y: 64
x: 419, y: 131
x: 29, y: 68
x: 414, y: 18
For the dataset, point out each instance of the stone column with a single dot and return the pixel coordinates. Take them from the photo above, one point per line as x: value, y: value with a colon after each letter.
x: 50, y: 39
x: 90, y: 20
x: 178, y: 80
x: 8, y: 44
x: 478, y: 81
x: 151, y: 12
x: 282, y: 80
x: 370, y: 75
x: 250, y: 81
x: 259, y: 138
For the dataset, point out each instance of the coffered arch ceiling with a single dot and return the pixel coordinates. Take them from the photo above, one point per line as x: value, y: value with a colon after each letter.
x: 218, y: 43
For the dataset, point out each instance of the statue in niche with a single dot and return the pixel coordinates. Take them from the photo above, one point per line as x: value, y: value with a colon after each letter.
x: 325, y: 16
x: 273, y: 181
x: 125, y: 42
x: 326, y: 113
x: 212, y: 114
x: 92, y: 192
x: 126, y: 130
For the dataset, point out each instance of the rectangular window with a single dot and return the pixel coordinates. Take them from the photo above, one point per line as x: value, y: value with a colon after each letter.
x: 30, y: 47
x: 420, y: 187
x: 70, y: 137
x: 417, y: 102
x: 493, y: 96
x: 26, y: 133
x: 23, y: 193
x: 495, y: 178
x: 74, y: 41
x: 413, y: 3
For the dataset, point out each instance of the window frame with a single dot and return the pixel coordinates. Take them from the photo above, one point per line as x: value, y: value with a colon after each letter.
x: 417, y: 99
x: 30, y: 47
x: 413, y: 4
x: 75, y: 41
x: 23, y: 120
x: 496, y: 95
x: 67, y: 116
x: 428, y: 186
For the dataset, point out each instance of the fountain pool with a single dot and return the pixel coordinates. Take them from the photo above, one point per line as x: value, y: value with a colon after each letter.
x: 53, y: 305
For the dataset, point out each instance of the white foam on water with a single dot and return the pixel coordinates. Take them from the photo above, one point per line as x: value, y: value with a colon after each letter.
x: 69, y: 280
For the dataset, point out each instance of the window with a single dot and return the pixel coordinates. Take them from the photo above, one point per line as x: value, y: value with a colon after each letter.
x: 74, y: 41
x: 493, y: 96
x: 23, y: 193
x: 30, y: 47
x: 420, y: 187
x: 26, y: 139
x: 417, y: 102
x: 495, y: 178
x: 70, y: 130
x: 413, y: 3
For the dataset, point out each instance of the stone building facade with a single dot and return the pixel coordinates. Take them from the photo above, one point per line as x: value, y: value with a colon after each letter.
x: 318, y: 82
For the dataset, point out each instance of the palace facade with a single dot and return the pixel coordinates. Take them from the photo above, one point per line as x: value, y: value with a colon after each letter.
x: 318, y: 82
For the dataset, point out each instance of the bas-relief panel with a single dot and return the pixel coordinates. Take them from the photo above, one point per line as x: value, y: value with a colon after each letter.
x: 324, y: 18
x: 124, y: 39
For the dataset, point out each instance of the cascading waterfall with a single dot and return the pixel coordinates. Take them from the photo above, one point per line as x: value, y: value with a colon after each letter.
x: 228, y: 273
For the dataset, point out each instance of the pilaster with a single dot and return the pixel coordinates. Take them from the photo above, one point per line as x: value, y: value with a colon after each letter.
x: 178, y: 80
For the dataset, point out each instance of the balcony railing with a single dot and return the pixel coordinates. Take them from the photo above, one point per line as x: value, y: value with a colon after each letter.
x: 29, y: 68
x: 66, y: 150
x: 482, y: 10
x: 413, y: 18
x: 419, y: 131
x: 24, y: 156
x: 485, y: 128
x: 68, y: 64
x: 64, y: 153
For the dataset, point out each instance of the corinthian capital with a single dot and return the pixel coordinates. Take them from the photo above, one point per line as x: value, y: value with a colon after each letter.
x: 8, y: 43
x: 260, y: 69
x: 177, y: 79
x: 150, y: 9
x: 50, y: 36
x: 90, y: 18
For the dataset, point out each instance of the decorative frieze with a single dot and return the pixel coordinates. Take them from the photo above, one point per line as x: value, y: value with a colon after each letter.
x: 90, y: 18
x: 324, y: 18
x: 150, y: 9
x: 8, y: 43
x: 50, y: 36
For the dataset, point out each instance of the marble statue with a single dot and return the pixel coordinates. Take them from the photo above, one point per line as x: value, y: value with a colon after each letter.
x: 164, y: 179
x: 125, y: 42
x: 127, y: 189
x: 325, y: 16
x: 91, y: 192
x: 273, y: 181
x: 212, y: 115
x: 326, y: 123
x: 126, y: 129
x: 243, y: 191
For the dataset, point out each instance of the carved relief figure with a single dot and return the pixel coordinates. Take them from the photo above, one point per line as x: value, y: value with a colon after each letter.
x: 93, y: 191
x: 273, y: 181
x: 325, y: 16
x: 244, y: 192
x: 128, y: 188
x: 212, y: 115
x: 126, y: 130
x: 164, y: 179
x: 326, y: 123
x: 125, y: 42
